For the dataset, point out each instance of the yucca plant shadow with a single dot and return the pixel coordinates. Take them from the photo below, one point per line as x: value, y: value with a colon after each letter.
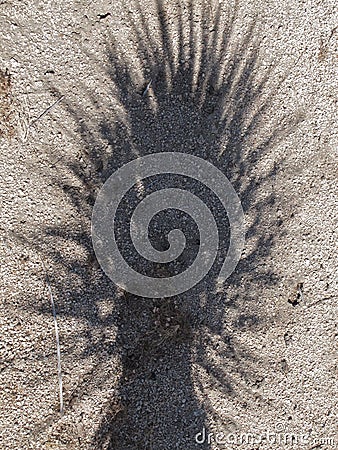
x: 191, y: 87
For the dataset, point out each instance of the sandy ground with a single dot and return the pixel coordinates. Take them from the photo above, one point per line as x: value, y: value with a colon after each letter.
x: 248, y: 86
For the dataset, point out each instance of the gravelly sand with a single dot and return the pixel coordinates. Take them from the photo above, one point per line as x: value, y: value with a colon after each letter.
x: 248, y: 86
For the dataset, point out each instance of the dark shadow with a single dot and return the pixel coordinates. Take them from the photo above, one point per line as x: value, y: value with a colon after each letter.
x: 209, y: 97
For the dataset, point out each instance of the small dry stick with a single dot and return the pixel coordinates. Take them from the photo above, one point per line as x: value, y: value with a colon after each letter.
x: 56, y: 336
x: 319, y: 301
x: 46, y: 111
x: 147, y: 88
x: 26, y: 240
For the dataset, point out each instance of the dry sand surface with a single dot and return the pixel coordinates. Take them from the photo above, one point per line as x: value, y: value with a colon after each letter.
x: 251, y: 87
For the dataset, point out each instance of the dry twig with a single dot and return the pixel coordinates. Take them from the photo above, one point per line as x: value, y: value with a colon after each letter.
x: 58, y: 351
x: 46, y: 111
